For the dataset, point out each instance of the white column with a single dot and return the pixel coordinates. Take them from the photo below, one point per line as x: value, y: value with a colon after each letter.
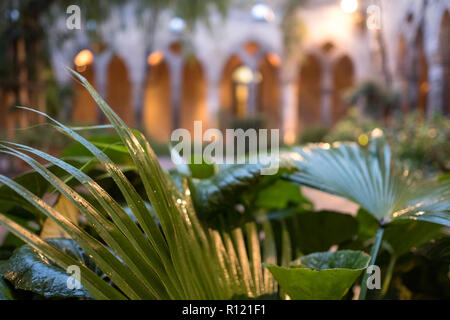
x: 213, y: 103
x: 176, y: 86
x: 253, y: 92
x: 101, y: 78
x: 137, y: 75
x: 289, y: 104
x: 435, y: 103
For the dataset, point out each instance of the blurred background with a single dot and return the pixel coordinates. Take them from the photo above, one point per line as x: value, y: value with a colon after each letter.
x: 322, y: 70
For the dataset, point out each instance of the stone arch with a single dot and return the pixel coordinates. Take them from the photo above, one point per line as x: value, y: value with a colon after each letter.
x: 343, y: 79
x: 227, y: 87
x: 84, y: 108
x: 157, y: 111
x: 269, y: 91
x: 309, y: 90
x: 193, y: 100
x: 119, y: 90
x: 251, y: 49
x: 444, y: 51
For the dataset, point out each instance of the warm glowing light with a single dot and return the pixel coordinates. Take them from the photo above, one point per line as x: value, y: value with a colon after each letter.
x: 274, y: 59
x: 241, y: 100
x: 289, y: 138
x: 349, y: 6
x: 155, y: 58
x: 83, y: 59
x: 377, y: 133
x: 243, y: 75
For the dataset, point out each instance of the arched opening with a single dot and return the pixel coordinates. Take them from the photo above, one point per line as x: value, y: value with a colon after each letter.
x: 444, y: 46
x: 269, y: 90
x: 119, y: 90
x: 84, y: 107
x: 193, y: 101
x: 228, y: 99
x: 309, y: 89
x: 343, y: 79
x: 157, y: 109
x: 420, y: 75
x: 402, y: 70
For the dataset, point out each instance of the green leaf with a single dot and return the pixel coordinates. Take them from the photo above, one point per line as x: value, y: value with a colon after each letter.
x: 192, y: 263
x: 96, y: 286
x: 367, y: 225
x: 225, y: 189
x: 321, y: 276
x: 110, y: 264
x: 5, y: 291
x: 202, y: 171
x: 318, y: 231
x: 28, y: 270
x: 125, y: 248
x: 34, y: 182
x: 438, y: 250
x: 404, y: 235
x: 111, y: 145
x: 279, y: 195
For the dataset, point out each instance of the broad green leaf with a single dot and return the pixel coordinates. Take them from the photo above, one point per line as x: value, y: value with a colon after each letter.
x: 202, y: 171
x: 28, y: 270
x: 5, y: 291
x: 318, y: 231
x: 404, y: 235
x: 279, y: 195
x: 437, y: 250
x: 367, y: 225
x: 321, y: 276
x: 224, y: 190
x: 315, y: 231
x: 110, y: 144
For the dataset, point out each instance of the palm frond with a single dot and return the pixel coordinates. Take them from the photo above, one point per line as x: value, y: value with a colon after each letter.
x: 180, y: 259
x: 368, y: 178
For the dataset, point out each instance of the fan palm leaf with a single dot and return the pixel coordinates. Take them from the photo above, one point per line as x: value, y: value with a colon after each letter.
x: 368, y: 178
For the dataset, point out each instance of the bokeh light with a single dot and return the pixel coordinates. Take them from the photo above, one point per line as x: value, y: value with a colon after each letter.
x: 349, y: 6
x: 155, y: 58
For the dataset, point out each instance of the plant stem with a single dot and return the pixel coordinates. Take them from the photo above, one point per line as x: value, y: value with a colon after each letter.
x: 374, y: 253
x: 388, y: 276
